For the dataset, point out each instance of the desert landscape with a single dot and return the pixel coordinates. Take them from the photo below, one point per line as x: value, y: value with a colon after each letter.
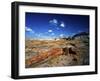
x: 56, y: 40
x: 72, y: 51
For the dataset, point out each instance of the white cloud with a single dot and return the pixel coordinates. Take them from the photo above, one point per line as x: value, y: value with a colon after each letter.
x: 53, y: 21
x: 61, y: 35
x: 50, y: 31
x: 29, y: 30
x: 62, y: 24
x: 56, y: 23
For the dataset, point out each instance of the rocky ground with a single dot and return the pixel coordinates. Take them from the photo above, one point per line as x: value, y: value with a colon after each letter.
x: 56, y: 53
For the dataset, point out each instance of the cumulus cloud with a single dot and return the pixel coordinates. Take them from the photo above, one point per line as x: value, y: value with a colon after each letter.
x: 53, y: 22
x: 61, y: 35
x: 50, y: 31
x: 62, y: 24
x: 29, y: 30
x: 56, y: 23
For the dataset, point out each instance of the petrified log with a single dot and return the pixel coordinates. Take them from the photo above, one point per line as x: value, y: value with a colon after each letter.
x: 43, y: 55
x: 65, y: 51
x: 72, y: 52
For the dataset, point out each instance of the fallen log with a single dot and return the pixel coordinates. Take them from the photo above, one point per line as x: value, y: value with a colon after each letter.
x: 43, y: 55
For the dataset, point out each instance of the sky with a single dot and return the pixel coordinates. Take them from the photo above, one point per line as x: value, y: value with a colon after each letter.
x: 49, y: 26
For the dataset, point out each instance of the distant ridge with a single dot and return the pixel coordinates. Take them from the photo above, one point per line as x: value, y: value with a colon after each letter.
x: 80, y: 34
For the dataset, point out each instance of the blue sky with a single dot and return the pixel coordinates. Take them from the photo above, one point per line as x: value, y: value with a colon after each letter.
x: 45, y: 25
